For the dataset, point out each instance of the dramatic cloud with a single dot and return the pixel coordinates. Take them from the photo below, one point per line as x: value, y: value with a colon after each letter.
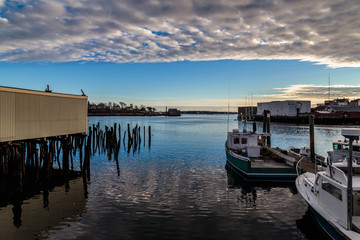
x: 3, y: 20
x: 323, y: 31
x: 315, y: 93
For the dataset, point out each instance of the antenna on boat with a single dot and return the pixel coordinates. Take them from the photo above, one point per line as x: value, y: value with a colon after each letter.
x: 329, y: 86
x: 228, y: 108
x: 246, y: 115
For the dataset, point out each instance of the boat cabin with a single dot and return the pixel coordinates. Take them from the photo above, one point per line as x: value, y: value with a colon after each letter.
x: 331, y: 188
x: 246, y: 143
x: 341, y: 151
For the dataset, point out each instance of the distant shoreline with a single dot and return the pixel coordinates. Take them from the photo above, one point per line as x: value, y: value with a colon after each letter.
x: 152, y: 114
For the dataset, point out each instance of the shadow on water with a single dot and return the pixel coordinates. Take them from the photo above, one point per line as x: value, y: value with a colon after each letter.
x: 307, y: 224
x: 40, y: 206
x: 39, y: 188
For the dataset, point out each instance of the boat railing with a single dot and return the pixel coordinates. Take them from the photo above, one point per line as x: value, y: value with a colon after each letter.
x: 297, y: 166
x: 337, y: 174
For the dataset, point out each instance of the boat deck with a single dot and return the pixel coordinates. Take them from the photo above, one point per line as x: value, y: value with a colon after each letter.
x: 267, y: 162
x: 356, y: 223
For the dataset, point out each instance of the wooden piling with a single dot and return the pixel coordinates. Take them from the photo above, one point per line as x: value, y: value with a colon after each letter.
x: 144, y: 135
x: 149, y: 136
x: 264, y: 124
x: 312, y: 142
x: 129, y: 133
x: 65, y: 162
x: 268, y: 128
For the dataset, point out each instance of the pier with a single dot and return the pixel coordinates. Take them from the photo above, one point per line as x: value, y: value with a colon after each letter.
x: 41, y: 134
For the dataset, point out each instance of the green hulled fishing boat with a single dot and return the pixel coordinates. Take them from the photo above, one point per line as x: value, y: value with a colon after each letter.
x: 246, y: 154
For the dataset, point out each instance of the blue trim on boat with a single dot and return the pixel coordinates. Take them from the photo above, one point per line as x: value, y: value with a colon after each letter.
x: 328, y: 228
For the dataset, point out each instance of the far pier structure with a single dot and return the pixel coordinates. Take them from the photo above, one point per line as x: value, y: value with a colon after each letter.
x: 34, y: 127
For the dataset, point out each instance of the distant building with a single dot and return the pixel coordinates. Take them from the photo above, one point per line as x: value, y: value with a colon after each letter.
x: 341, y: 102
x: 337, y: 102
x: 335, y: 111
x: 249, y: 111
x: 116, y: 107
x: 101, y: 106
x: 355, y: 102
x: 289, y: 108
x: 92, y: 106
x: 173, y: 112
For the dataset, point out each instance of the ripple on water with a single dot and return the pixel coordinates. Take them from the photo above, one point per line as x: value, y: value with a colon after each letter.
x: 179, y: 189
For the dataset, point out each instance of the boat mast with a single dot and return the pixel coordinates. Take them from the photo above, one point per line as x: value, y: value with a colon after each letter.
x: 246, y: 109
x: 228, y: 113
x: 329, y: 87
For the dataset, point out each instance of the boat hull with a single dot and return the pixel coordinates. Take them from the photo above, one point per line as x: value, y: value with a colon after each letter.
x: 327, y: 228
x: 243, y: 166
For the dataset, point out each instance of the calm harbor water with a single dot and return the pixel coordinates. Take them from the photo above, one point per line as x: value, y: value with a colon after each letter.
x: 178, y: 188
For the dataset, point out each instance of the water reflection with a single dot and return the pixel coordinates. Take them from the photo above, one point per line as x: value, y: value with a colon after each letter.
x: 249, y: 195
x: 308, y: 226
x: 177, y: 190
x: 33, y: 216
x: 248, y: 187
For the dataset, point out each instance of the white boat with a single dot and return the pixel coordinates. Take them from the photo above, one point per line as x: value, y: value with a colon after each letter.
x: 341, y: 151
x: 333, y: 195
x: 304, y: 152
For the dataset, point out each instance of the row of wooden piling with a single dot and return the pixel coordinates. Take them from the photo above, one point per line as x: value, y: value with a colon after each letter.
x: 32, y: 162
x: 109, y: 140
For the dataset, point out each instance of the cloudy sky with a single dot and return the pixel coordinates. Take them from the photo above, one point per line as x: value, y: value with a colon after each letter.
x: 186, y: 54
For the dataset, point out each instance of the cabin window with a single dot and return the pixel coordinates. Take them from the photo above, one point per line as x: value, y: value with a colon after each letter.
x: 356, y: 148
x: 337, y: 146
x: 236, y: 140
x: 243, y: 140
x: 345, y: 147
x: 331, y: 189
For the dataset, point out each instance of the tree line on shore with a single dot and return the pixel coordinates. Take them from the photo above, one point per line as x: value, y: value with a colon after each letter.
x: 119, y: 107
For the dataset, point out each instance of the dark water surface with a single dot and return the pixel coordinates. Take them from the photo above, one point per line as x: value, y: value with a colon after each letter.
x: 176, y: 189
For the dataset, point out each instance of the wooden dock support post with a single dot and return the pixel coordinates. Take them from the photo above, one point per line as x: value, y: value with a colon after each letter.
x: 129, y: 133
x: 268, y: 128
x: 37, y: 165
x: 149, y: 136
x: 17, y: 169
x: 66, y: 152
x: 264, y: 125
x: 2, y: 161
x: 312, y: 142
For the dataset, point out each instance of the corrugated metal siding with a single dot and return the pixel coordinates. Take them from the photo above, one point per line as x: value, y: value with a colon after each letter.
x: 7, y: 115
x: 29, y: 116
